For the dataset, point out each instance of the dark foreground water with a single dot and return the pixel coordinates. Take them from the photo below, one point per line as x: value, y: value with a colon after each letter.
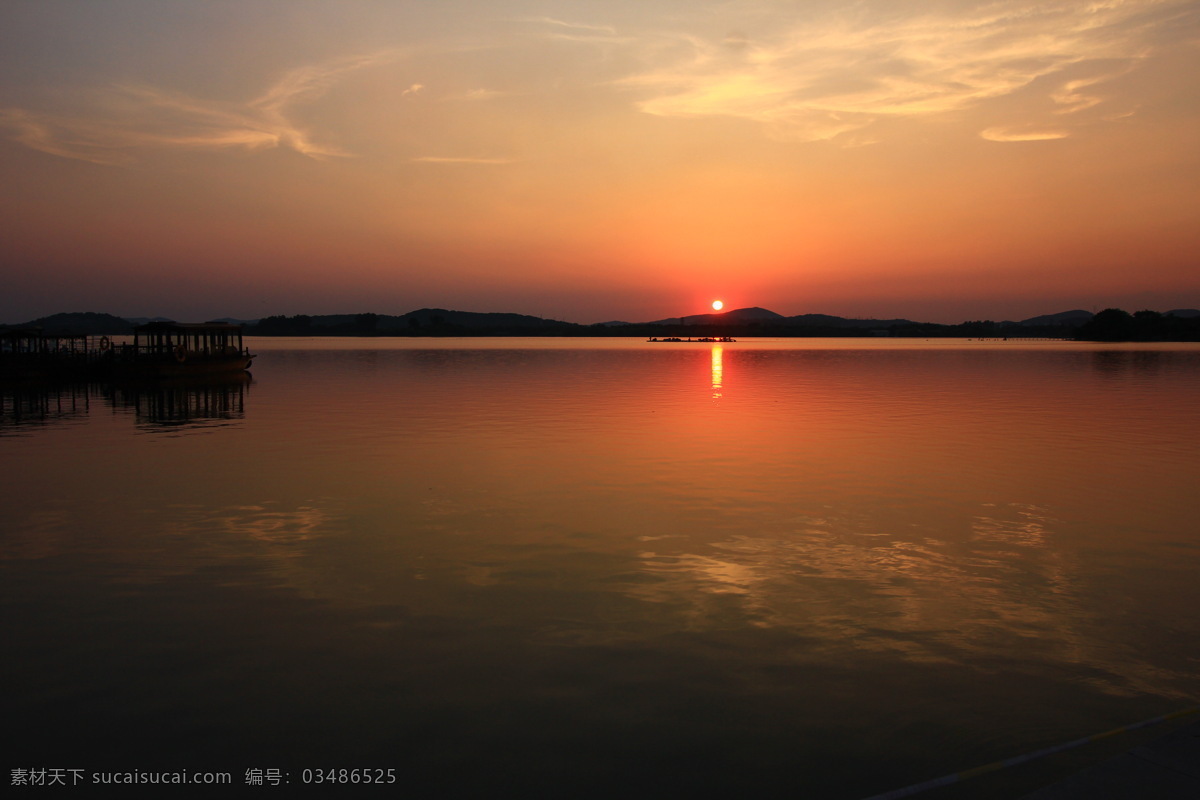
x: 815, y: 569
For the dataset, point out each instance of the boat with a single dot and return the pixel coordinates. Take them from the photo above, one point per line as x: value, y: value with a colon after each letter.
x: 30, y: 354
x: 157, y: 350
x: 176, y: 349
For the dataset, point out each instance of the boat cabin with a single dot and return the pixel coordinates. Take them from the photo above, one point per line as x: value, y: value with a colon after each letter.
x: 185, y: 340
x: 29, y: 352
x: 32, y: 341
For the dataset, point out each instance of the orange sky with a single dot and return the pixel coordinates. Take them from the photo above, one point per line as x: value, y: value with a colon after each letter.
x: 592, y: 161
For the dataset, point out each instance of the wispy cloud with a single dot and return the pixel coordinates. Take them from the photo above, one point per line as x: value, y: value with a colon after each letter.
x: 474, y: 95
x: 461, y: 160
x: 1015, y: 135
x: 483, y: 94
x: 573, y: 26
x: 578, y: 31
x: 1071, y: 96
x: 58, y: 136
x: 820, y: 79
x: 133, y: 118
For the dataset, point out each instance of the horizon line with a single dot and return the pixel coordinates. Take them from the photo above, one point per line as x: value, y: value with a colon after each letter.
x: 613, y: 322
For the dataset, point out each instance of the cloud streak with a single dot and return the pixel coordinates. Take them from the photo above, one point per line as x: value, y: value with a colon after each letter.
x: 572, y: 26
x: 819, y: 79
x: 578, y: 31
x: 461, y: 160
x: 1011, y: 135
x: 133, y: 118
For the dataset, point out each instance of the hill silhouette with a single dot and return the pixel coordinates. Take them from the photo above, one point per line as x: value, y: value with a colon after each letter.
x: 1109, y: 325
x: 424, y: 322
x: 81, y: 323
x: 737, y: 315
x: 1071, y: 318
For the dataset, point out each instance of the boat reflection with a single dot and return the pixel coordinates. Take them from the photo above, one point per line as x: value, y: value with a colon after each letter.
x: 183, y: 402
x: 34, y: 403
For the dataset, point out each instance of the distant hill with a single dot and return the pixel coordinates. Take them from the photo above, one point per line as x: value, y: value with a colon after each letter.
x: 471, y: 320
x: 145, y: 320
x: 738, y: 315
x: 825, y: 320
x: 424, y: 322
x: 232, y: 321
x: 1071, y: 318
x: 81, y: 323
x: 767, y: 318
x: 752, y: 321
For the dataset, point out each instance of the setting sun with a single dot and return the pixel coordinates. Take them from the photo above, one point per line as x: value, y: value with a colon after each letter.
x: 717, y: 305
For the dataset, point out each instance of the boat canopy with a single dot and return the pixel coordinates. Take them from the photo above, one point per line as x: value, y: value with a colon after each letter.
x: 198, y: 339
x: 32, y: 341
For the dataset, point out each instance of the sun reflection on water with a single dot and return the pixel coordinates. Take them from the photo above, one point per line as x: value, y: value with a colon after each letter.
x: 718, y: 371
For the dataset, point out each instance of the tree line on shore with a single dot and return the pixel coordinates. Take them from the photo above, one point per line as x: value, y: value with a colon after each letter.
x: 1116, y: 325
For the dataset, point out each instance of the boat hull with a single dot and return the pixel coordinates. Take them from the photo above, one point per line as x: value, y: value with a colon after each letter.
x: 171, y: 368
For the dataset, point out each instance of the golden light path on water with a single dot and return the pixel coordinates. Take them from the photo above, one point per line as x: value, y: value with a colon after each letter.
x: 718, y: 370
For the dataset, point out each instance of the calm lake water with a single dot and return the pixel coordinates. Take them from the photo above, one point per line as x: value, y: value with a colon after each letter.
x: 813, y: 568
